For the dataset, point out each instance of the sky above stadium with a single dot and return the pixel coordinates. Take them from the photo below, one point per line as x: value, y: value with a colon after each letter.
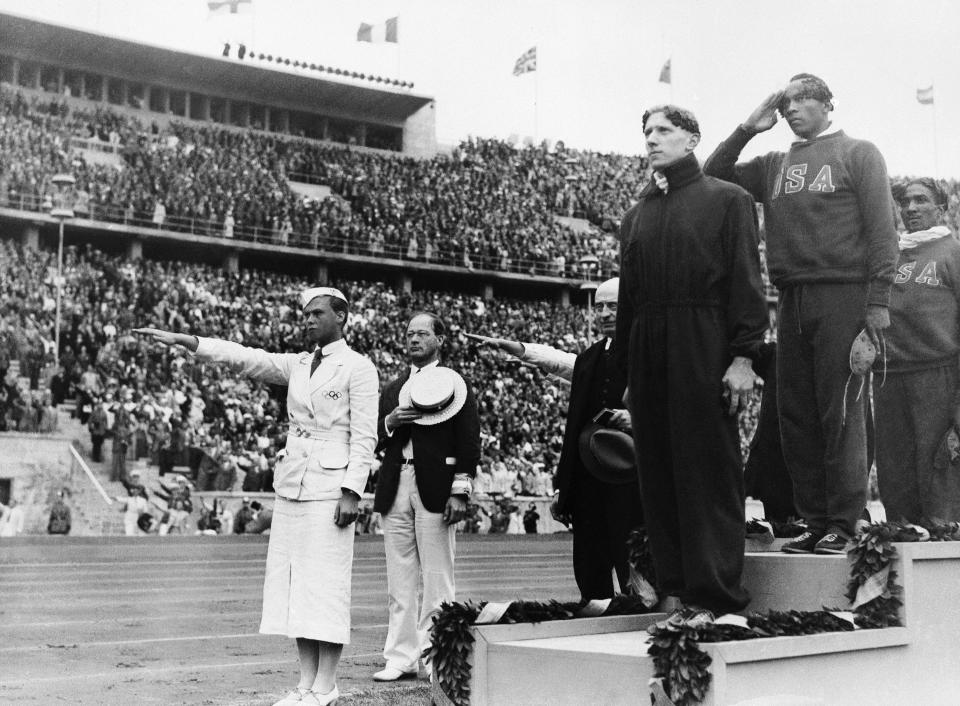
x: 599, y: 61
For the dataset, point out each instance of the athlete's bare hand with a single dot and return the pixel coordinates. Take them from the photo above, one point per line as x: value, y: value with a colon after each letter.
x: 764, y: 115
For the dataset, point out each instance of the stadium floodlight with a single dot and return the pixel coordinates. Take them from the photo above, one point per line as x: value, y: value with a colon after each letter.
x: 589, y: 264
x: 61, y: 209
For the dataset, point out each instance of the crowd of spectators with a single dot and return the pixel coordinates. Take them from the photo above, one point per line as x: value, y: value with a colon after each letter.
x: 488, y: 205
x: 174, y: 411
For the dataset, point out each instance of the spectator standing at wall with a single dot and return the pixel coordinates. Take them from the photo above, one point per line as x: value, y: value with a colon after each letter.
x: 122, y: 434
x: 918, y: 404
x: 134, y: 505
x: 531, y: 519
x: 11, y: 519
x: 59, y: 521
x: 332, y: 406
x: 691, y: 316
x: 244, y: 515
x: 98, y: 426
x: 179, y: 507
x: 832, y: 253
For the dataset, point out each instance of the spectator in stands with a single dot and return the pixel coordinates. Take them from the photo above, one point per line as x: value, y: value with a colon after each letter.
x: 179, y: 507
x: 59, y: 521
x: 531, y: 519
x: 243, y: 517
x: 121, y: 442
x: 917, y: 407
x: 134, y: 505
x: 11, y: 519
x: 98, y: 426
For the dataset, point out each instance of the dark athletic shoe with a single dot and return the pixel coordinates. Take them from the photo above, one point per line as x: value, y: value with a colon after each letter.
x: 831, y: 544
x: 804, y: 544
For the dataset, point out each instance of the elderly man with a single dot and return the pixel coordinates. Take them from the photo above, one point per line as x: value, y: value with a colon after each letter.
x: 431, y: 444
x: 691, y: 318
x: 601, y: 502
x: 832, y: 252
x: 332, y: 405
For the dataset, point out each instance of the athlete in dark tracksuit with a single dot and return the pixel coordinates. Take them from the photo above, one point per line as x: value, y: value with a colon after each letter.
x: 831, y: 250
x: 691, y: 300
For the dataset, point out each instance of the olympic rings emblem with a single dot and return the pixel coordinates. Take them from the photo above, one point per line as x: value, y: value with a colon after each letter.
x: 334, y: 395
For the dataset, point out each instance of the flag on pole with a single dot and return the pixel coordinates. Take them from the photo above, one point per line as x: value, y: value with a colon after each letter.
x: 526, y: 62
x: 925, y: 95
x: 665, y: 72
x: 229, y: 7
x: 382, y: 32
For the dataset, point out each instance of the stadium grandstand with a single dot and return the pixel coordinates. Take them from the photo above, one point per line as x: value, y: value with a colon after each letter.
x: 206, y: 192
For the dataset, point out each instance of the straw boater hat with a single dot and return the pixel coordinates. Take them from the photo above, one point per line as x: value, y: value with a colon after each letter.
x: 439, y: 393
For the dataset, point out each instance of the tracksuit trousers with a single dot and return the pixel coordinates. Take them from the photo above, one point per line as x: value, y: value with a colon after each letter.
x: 822, y: 417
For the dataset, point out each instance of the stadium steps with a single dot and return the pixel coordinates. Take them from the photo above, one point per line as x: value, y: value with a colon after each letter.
x: 98, y: 518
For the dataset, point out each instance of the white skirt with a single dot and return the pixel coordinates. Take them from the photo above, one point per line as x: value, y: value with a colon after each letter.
x: 306, y: 591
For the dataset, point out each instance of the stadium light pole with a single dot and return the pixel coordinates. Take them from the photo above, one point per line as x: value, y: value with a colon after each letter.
x: 589, y: 264
x: 62, y: 209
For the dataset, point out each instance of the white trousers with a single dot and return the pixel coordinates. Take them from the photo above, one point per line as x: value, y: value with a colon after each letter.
x: 418, y: 542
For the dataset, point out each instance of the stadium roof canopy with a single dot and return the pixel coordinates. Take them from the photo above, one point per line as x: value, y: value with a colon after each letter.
x: 33, y: 40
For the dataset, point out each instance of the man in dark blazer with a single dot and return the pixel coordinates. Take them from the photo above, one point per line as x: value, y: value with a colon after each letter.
x: 602, y: 505
x: 430, y: 459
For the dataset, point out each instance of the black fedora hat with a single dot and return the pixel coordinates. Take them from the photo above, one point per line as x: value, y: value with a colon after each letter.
x: 608, y: 454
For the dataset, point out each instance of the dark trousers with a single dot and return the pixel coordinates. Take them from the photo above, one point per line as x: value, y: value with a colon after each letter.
x: 603, y: 515
x: 96, y: 453
x: 913, y: 412
x: 822, y: 421
x: 688, y: 453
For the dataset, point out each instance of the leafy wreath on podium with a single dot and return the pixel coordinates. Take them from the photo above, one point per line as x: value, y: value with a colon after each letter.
x: 451, y: 640
x: 682, y: 667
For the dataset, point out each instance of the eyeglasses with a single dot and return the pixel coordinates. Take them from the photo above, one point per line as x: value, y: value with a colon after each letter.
x: 609, y: 306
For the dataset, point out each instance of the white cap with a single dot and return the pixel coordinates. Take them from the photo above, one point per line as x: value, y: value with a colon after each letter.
x: 608, y: 291
x: 308, y: 295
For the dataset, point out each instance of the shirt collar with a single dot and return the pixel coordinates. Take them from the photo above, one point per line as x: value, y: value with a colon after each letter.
x: 414, y: 369
x: 333, y: 347
x: 832, y: 129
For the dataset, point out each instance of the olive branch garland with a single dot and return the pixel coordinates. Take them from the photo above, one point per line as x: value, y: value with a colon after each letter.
x: 679, y: 661
x: 683, y: 666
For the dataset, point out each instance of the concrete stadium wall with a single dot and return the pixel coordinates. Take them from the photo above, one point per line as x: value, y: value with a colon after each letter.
x: 37, y: 466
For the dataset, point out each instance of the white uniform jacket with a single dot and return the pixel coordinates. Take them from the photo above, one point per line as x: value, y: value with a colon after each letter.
x: 332, y: 414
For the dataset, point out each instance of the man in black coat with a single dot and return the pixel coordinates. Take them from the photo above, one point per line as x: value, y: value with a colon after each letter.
x: 691, y: 319
x: 430, y: 459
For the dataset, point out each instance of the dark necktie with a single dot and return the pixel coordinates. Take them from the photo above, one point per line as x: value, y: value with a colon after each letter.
x: 317, y: 357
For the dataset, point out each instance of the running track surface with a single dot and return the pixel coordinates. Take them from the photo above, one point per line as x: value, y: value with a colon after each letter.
x: 173, y: 620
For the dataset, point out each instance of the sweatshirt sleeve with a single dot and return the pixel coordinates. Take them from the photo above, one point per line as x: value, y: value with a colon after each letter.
x: 877, y: 216
x: 746, y: 308
x: 722, y: 164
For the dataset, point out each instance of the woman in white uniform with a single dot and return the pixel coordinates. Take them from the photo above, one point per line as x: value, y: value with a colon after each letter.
x: 332, y: 397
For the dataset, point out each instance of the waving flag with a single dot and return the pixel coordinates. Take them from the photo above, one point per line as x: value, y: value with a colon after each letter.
x: 526, y: 62
x: 229, y: 7
x: 925, y: 95
x: 382, y: 32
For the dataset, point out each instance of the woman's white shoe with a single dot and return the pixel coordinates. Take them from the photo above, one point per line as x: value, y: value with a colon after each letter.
x: 294, y: 697
x: 312, y: 698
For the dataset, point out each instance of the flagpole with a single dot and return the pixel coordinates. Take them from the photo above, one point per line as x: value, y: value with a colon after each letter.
x: 536, y: 96
x: 936, y: 151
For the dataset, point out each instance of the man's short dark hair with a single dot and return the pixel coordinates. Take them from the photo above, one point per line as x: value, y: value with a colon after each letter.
x: 933, y: 186
x: 678, y: 117
x: 439, y: 329
x: 338, y: 306
x: 814, y: 87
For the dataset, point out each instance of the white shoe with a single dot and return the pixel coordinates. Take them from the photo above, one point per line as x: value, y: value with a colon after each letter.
x: 294, y: 697
x: 391, y: 674
x: 312, y: 698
